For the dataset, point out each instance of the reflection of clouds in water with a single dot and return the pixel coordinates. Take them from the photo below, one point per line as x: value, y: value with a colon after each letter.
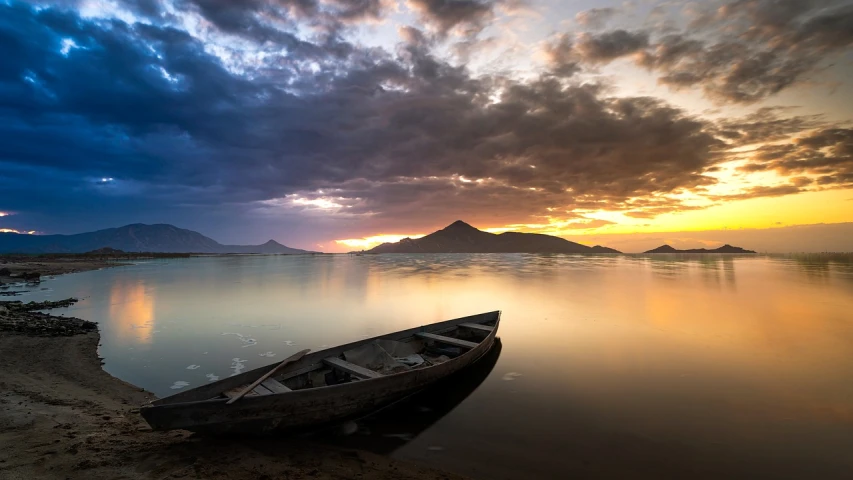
x: 289, y: 343
x: 248, y: 341
x: 237, y: 365
x: 271, y: 326
x: 211, y: 377
x: 179, y: 384
x: 266, y: 354
x: 193, y: 367
x: 510, y: 376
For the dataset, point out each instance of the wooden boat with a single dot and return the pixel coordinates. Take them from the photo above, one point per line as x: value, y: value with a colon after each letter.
x: 388, y: 429
x: 331, y: 385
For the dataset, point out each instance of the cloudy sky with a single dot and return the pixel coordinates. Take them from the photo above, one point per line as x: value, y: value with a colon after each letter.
x: 333, y: 124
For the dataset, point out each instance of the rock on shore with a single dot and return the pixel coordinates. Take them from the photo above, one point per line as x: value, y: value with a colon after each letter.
x: 24, y: 318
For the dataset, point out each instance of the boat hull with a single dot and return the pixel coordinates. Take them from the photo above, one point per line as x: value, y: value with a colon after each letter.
x: 301, y: 409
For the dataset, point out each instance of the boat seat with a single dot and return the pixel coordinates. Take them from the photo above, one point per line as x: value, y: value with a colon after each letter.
x: 262, y: 390
x: 478, y: 327
x: 350, y: 368
x: 267, y: 387
x: 275, y: 386
x: 447, y: 340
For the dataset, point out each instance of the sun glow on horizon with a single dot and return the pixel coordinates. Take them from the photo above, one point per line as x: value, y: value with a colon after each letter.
x: 367, y: 243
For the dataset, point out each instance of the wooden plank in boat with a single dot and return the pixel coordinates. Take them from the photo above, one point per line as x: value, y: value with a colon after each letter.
x: 476, y: 326
x: 236, y: 391
x: 352, y: 368
x: 448, y: 340
x: 261, y: 390
x: 275, y: 386
x: 301, y: 371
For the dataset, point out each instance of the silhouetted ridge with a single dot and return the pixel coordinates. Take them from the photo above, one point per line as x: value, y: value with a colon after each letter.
x: 460, y: 237
x: 663, y: 249
x: 724, y: 249
x: 459, y: 225
x: 137, y: 237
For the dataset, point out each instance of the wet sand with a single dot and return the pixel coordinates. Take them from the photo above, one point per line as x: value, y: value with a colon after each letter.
x: 63, y: 416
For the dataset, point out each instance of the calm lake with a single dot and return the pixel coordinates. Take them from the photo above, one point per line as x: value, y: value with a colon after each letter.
x: 608, y: 366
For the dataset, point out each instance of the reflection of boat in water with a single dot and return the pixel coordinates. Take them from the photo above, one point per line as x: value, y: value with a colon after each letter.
x: 330, y: 385
x: 394, y: 426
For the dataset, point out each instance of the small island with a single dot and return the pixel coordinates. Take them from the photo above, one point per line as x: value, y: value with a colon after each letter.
x: 724, y: 249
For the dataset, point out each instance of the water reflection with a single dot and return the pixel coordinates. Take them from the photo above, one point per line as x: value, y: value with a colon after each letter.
x: 735, y: 363
x: 131, y: 312
x: 399, y: 424
x: 820, y: 267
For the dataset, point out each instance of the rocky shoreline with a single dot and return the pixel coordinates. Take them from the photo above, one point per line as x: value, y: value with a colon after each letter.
x: 25, y: 318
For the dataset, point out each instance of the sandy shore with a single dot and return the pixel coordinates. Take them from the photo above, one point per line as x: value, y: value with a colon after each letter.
x: 62, y: 416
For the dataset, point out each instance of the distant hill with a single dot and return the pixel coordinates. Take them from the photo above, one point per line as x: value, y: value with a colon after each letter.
x: 106, y: 251
x: 132, y: 238
x: 459, y: 237
x: 724, y: 249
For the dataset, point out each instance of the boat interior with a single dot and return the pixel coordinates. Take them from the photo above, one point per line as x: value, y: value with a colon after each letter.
x: 373, y: 359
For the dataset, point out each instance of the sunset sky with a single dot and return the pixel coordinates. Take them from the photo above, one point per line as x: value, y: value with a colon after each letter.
x: 334, y: 125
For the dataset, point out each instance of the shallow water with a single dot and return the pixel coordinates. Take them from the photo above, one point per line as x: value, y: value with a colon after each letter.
x: 613, y: 366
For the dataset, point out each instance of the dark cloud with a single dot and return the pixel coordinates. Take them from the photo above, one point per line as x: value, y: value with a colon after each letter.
x: 568, y: 56
x: 151, y: 108
x: 562, y: 58
x: 760, y: 191
x: 824, y: 154
x: 748, y: 50
x: 445, y: 15
x: 326, y: 129
x: 768, y: 124
x: 741, y: 51
x: 277, y: 23
x: 608, y: 46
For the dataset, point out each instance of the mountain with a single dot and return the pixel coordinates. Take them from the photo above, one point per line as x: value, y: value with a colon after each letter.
x: 459, y: 237
x: 724, y: 249
x: 132, y: 238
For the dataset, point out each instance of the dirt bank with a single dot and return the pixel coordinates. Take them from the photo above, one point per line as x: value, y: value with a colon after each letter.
x: 62, y: 416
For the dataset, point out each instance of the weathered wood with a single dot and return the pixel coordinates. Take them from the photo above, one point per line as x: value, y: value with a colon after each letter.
x: 275, y: 386
x: 352, y: 368
x: 476, y: 326
x: 236, y: 391
x: 199, y: 410
x: 262, y: 390
x: 302, y: 371
x: 287, y: 361
x: 448, y: 340
x: 314, y: 361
